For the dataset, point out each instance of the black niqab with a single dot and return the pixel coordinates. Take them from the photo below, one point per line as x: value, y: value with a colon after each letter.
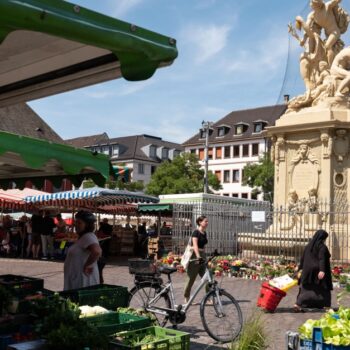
x: 317, y: 240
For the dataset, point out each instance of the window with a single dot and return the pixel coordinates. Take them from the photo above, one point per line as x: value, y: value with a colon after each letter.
x: 153, y: 169
x: 221, y: 131
x: 226, y: 176
x: 203, y: 134
x: 244, y: 195
x: 210, y: 153
x: 141, y: 168
x: 165, y: 153
x: 235, y: 175
x: 226, y: 194
x: 258, y: 127
x: 236, y: 151
x: 218, y: 153
x: 255, y: 149
x: 254, y: 195
x: 105, y: 150
x: 218, y: 174
x: 153, y: 151
x: 115, y: 150
x: 239, y: 129
x: 246, y: 150
x: 227, y: 152
x: 201, y: 154
x: 193, y: 151
x: 235, y: 195
x: 177, y: 153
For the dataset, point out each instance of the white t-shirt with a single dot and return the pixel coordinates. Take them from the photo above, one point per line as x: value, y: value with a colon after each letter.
x: 74, y: 276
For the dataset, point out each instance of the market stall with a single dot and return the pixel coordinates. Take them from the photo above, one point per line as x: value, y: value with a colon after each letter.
x: 99, y: 200
x: 161, y: 243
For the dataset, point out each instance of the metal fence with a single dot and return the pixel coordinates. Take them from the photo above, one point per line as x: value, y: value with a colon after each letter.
x: 256, y: 230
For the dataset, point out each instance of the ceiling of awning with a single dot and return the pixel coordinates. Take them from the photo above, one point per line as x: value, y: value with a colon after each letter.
x: 25, y: 159
x: 52, y: 46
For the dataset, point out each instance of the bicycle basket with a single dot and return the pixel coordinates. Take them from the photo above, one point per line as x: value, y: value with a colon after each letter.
x: 142, y: 267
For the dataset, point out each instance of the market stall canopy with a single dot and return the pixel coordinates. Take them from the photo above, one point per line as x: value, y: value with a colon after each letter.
x: 25, y: 159
x: 14, y: 199
x: 155, y: 208
x: 95, y: 197
x: 52, y: 46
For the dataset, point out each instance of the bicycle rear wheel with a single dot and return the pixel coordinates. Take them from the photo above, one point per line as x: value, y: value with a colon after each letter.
x: 143, y: 293
x: 221, y: 316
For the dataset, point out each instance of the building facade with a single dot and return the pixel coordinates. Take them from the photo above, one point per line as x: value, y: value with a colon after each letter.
x: 142, y: 154
x: 235, y: 141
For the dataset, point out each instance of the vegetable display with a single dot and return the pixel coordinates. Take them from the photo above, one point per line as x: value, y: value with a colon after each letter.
x: 138, y: 312
x: 335, y: 327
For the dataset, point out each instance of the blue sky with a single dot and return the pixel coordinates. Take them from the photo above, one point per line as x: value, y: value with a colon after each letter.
x: 233, y: 55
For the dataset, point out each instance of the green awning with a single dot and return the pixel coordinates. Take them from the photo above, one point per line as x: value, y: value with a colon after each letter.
x: 27, y: 159
x: 155, y: 208
x: 51, y: 46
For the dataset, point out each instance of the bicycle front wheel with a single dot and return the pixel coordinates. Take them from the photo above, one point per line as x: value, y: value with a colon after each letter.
x: 143, y: 296
x: 221, y: 316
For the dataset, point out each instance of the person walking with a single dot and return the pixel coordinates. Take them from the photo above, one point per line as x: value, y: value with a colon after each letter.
x: 80, y: 266
x: 198, y: 242
x: 316, y: 277
x: 61, y: 224
x: 47, y: 238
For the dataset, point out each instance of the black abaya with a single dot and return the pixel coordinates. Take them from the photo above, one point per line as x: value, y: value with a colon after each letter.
x: 315, y: 293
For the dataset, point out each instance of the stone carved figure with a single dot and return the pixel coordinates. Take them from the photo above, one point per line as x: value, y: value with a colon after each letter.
x: 316, y: 62
x: 327, y: 144
x: 312, y: 202
x: 293, y: 201
x: 341, y: 145
x: 341, y: 71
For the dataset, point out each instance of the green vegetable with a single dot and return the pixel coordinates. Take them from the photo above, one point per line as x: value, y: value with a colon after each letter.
x: 139, y: 312
x: 335, y: 331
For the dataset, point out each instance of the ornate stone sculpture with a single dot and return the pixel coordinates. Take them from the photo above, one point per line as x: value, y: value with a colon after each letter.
x: 341, y: 145
x: 324, y: 62
x: 327, y: 144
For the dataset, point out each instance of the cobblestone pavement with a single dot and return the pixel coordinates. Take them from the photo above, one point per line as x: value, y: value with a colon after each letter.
x: 245, y: 291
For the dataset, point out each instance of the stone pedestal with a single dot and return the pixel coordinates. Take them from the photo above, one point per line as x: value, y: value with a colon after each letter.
x: 310, y: 150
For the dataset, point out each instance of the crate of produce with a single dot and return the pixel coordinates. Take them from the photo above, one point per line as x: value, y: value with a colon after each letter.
x: 155, y: 338
x: 108, y: 296
x: 142, y: 267
x: 115, y: 322
x: 21, y: 285
x: 25, y: 304
x: 317, y: 342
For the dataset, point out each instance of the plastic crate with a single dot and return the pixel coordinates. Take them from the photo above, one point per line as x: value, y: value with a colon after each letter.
x: 21, y: 285
x: 105, y: 295
x: 115, y: 322
x: 317, y: 343
x: 25, y: 305
x: 169, y: 339
x: 142, y: 267
x: 270, y: 297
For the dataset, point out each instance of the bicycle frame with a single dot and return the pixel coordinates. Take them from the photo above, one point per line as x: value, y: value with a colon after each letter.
x: 168, y: 288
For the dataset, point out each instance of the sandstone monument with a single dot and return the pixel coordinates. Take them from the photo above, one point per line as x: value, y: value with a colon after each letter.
x: 311, y: 141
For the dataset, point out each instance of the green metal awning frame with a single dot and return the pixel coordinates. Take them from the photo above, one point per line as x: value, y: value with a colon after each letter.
x: 139, y: 51
x: 155, y: 208
x: 48, y: 161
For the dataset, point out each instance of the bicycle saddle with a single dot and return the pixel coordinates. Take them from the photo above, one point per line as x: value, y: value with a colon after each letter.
x: 167, y: 270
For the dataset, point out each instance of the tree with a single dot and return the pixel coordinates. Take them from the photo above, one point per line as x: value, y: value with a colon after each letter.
x: 260, y: 177
x: 182, y: 175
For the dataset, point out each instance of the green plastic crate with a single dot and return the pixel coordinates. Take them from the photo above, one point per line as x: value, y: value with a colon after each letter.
x: 115, y: 322
x: 169, y: 339
x: 105, y: 295
x: 21, y: 285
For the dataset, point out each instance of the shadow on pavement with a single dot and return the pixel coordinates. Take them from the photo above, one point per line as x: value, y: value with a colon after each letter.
x: 199, y: 346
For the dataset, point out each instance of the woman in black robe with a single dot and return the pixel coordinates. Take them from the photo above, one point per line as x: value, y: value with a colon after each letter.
x: 316, y: 277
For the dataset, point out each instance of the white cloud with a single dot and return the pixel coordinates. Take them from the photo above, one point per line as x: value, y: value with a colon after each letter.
x: 99, y: 94
x: 121, y: 7
x: 133, y: 87
x: 208, y: 40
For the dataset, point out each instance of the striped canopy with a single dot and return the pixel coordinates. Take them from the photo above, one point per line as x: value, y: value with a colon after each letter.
x: 93, y: 197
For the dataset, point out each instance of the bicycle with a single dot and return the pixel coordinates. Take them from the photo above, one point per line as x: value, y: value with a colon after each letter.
x: 220, y: 313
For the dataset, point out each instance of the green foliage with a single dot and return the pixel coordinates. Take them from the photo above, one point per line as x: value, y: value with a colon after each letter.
x: 253, y: 335
x: 260, y: 177
x: 182, y: 175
